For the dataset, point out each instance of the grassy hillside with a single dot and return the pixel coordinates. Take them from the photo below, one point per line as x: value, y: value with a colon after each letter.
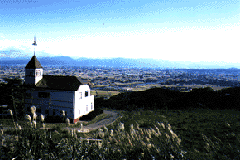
x: 159, y: 123
x: 143, y: 134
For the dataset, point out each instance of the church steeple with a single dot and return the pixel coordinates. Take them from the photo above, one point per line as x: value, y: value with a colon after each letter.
x: 33, y: 63
x: 33, y: 70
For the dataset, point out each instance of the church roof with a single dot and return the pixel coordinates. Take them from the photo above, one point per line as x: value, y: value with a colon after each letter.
x: 33, y: 63
x: 59, y: 82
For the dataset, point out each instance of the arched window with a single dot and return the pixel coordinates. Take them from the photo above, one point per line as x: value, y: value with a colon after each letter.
x: 38, y: 73
x: 86, y: 93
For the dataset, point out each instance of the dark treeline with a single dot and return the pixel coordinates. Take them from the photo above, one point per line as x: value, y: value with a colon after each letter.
x: 158, y: 98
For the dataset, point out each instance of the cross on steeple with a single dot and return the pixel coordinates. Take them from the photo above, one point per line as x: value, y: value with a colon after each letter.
x: 34, y: 43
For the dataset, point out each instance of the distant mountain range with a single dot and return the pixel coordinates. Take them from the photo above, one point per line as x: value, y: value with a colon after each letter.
x: 68, y: 61
x: 233, y: 68
x: 113, y: 62
x: 7, y: 58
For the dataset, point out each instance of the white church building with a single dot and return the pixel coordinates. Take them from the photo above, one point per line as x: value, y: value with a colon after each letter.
x: 52, y: 93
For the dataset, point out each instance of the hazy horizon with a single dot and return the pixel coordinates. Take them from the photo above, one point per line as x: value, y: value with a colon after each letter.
x: 119, y: 62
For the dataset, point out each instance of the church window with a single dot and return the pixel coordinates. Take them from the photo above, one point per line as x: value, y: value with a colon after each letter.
x: 86, y: 93
x: 46, y: 111
x: 87, y: 108
x: 91, y: 105
x: 43, y: 94
x: 80, y: 95
x: 79, y: 111
x: 38, y: 73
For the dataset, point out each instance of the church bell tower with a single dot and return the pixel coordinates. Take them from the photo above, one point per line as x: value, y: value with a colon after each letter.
x: 33, y: 71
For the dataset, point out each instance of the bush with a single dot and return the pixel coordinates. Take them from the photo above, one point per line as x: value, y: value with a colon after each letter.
x: 91, y: 115
x: 57, y: 127
x: 5, y: 117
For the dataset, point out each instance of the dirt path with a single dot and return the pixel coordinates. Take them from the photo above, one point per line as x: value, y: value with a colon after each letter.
x: 102, y: 122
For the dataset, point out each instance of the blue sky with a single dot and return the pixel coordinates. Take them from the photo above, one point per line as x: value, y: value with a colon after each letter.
x: 174, y: 30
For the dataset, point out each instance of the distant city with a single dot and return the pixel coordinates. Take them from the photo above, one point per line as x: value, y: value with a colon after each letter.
x: 126, y: 74
x: 136, y: 79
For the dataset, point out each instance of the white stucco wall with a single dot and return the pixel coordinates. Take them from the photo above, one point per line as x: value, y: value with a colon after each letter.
x: 81, y: 104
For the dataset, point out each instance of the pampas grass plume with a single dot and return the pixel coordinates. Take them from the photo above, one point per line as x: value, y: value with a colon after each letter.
x: 10, y: 111
x: 28, y: 117
x: 63, y: 112
x: 42, y: 118
x: 34, y: 124
x: 34, y: 116
x: 68, y: 121
x: 111, y: 133
x: 33, y: 110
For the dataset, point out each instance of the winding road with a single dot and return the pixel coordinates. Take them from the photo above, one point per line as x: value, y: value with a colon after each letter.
x: 101, y: 123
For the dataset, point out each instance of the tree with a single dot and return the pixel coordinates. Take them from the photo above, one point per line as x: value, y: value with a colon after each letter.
x: 15, y: 92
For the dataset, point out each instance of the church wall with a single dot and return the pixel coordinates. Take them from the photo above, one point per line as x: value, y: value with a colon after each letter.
x: 82, y: 103
x: 38, y: 75
x: 57, y: 100
x: 62, y: 96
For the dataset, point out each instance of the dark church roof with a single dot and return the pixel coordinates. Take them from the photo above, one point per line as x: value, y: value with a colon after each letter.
x: 33, y: 63
x: 59, y: 82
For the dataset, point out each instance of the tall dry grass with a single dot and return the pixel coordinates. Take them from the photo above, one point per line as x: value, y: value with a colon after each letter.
x: 117, y: 141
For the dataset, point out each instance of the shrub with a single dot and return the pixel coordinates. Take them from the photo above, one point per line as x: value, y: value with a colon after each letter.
x: 91, y: 115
